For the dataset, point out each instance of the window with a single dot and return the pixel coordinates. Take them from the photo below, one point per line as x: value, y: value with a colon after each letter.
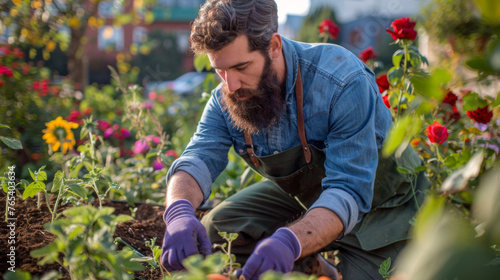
x: 140, y: 35
x: 109, y: 9
x: 110, y: 38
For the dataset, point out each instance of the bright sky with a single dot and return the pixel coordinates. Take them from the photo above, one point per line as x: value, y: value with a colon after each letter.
x: 295, y: 7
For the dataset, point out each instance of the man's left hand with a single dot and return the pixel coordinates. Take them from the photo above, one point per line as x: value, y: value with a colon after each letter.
x: 277, y: 252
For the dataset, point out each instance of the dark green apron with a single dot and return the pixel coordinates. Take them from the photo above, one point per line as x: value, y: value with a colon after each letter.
x: 299, y: 171
x: 293, y: 184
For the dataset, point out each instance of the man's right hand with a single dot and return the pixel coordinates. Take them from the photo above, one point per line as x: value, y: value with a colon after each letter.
x: 184, y: 235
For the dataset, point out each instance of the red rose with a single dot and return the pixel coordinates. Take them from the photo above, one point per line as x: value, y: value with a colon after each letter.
x: 481, y: 115
x: 455, y: 115
x: 327, y: 25
x: 383, y: 83
x: 450, y: 98
x: 403, y: 28
x: 367, y: 54
x: 386, y: 101
x: 76, y: 117
x: 437, y: 133
x: 171, y: 153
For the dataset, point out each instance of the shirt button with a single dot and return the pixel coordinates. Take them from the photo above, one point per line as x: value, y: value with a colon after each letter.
x: 276, y: 152
x: 241, y: 151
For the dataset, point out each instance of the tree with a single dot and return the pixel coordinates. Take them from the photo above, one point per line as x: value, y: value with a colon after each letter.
x: 45, y: 24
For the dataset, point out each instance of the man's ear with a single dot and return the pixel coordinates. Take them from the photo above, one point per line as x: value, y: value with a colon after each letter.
x: 275, y: 46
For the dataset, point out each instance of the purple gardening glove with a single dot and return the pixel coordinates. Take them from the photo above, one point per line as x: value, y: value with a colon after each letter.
x: 184, y: 235
x: 277, y: 252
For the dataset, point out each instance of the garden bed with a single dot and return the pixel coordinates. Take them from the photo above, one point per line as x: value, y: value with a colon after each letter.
x: 30, y: 233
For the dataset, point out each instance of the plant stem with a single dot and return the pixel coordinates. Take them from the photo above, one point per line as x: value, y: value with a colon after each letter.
x: 48, y: 203
x: 94, y: 186
x: 57, y: 202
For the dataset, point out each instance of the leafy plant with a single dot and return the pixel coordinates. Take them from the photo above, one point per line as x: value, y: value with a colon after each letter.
x: 84, y: 245
x: 10, y: 142
x: 230, y: 258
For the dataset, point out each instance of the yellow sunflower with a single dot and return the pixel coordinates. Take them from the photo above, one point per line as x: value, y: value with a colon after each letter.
x: 59, y: 133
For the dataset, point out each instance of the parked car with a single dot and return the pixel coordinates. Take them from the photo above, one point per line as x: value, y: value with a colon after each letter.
x: 186, y: 84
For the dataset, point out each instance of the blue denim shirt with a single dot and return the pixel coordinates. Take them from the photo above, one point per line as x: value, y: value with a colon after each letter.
x: 344, y: 116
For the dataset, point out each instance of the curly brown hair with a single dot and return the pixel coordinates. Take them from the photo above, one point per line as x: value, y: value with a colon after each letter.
x: 219, y: 22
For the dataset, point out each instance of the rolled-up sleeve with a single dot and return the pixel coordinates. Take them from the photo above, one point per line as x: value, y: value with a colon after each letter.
x: 351, y: 152
x: 205, y: 157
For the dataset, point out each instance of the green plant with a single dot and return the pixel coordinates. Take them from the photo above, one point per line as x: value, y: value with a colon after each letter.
x: 10, y: 142
x: 84, y: 245
x: 229, y: 258
x: 153, y: 261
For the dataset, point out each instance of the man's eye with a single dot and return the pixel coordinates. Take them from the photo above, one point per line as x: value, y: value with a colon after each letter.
x: 241, y: 68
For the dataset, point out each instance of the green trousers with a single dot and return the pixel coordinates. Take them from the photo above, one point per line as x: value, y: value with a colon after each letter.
x: 258, y: 210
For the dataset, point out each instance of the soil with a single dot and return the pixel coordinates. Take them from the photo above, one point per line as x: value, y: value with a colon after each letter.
x: 30, y: 234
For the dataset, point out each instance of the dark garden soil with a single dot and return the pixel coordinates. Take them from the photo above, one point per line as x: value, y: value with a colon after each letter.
x: 30, y: 234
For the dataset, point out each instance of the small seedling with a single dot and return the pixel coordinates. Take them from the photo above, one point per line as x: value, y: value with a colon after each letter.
x: 231, y: 259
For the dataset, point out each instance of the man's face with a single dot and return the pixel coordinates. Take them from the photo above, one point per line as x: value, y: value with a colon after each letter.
x: 252, y: 93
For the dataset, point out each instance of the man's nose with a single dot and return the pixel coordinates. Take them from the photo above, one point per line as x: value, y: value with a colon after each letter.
x: 232, y: 81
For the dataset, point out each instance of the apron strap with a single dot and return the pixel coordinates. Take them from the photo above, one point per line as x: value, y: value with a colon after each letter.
x: 300, y: 117
x: 300, y: 126
x: 250, y: 151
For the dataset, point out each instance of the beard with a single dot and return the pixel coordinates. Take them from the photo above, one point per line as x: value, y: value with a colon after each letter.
x: 263, y: 107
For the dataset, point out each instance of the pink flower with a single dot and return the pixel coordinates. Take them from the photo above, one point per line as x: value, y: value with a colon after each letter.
x: 152, y: 95
x: 327, y: 25
x: 103, y: 125
x: 4, y: 71
x: 148, y: 104
x: 158, y: 165
x: 144, y: 145
x: 141, y: 146
x: 108, y: 132
x: 124, y: 133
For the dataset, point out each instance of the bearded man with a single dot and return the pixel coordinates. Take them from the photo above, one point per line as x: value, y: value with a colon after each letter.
x: 308, y: 118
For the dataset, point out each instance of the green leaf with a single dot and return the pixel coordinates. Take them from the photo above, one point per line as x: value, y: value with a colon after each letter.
x: 247, y: 177
x: 33, y: 189
x: 395, y: 75
x: 481, y: 64
x: 430, y: 212
x: 58, y: 181
x: 403, y: 170
x: 496, y: 102
x: 4, y: 126
x: 404, y: 129
x: 18, y: 275
x: 431, y: 86
x: 201, y: 63
x: 385, y: 267
x: 490, y: 9
x: 78, y: 190
x: 473, y: 101
x: 415, y: 59
x: 397, y: 57
x: 12, y: 143
x: 32, y: 175
x: 41, y: 176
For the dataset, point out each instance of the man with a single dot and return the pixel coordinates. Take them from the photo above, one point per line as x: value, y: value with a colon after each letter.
x: 310, y: 119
